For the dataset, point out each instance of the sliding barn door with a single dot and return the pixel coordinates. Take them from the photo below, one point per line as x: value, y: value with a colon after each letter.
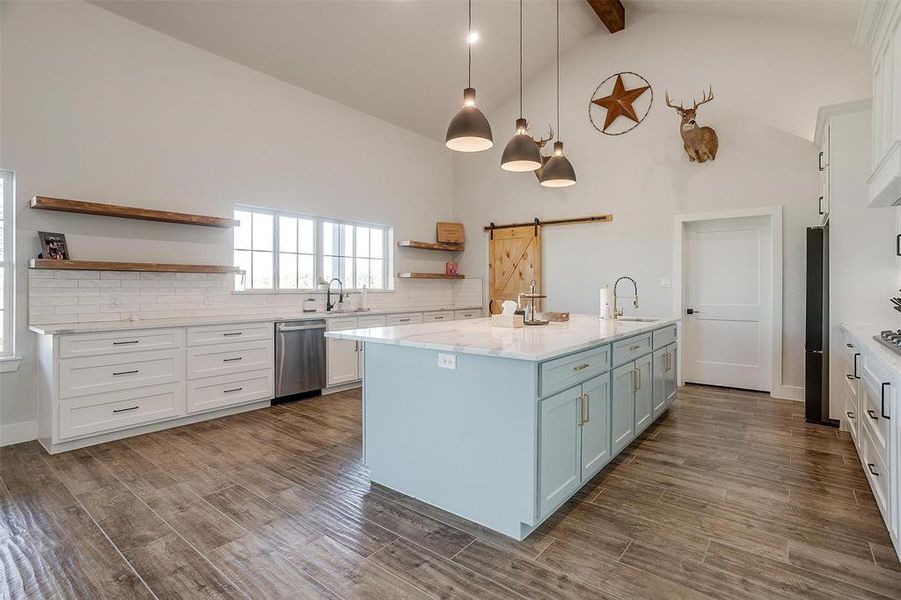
x: 514, y: 260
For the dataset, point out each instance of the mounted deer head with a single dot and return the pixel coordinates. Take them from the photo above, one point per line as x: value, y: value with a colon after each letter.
x: 541, y: 142
x: 700, y: 143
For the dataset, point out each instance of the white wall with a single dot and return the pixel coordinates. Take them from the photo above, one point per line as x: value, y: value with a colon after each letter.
x: 768, y: 78
x: 96, y: 107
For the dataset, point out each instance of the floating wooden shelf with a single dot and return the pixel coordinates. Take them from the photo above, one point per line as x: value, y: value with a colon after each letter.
x: 97, y: 265
x: 128, y: 212
x: 429, y: 276
x: 431, y: 246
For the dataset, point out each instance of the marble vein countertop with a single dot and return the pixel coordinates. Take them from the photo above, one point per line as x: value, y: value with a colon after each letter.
x: 67, y: 328
x: 477, y: 336
x: 864, y: 334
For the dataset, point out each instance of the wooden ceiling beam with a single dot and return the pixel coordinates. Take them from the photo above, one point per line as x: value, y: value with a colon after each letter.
x: 611, y: 12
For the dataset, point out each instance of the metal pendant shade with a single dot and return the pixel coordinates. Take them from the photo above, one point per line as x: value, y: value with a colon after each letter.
x: 469, y: 130
x: 558, y: 172
x: 521, y: 153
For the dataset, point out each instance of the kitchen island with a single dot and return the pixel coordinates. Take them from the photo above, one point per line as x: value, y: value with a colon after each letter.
x: 501, y: 426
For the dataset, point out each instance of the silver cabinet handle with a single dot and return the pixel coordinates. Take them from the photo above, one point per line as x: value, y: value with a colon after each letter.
x: 297, y: 328
x: 126, y: 342
x: 581, y: 367
x: 587, y: 408
x: 638, y: 379
x: 237, y: 358
x: 132, y: 372
x: 121, y: 410
x: 237, y: 389
x: 634, y: 347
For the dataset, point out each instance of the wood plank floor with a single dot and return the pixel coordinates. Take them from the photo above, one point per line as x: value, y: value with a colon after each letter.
x: 730, y: 495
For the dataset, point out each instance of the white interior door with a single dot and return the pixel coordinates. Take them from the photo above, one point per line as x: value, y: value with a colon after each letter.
x: 728, y: 301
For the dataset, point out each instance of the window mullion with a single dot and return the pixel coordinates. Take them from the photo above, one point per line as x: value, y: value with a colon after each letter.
x: 276, y: 258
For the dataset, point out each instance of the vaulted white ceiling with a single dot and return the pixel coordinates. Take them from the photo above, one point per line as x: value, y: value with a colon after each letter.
x: 404, y: 61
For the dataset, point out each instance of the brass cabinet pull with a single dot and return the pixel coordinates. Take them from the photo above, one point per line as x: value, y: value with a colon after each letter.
x: 581, y: 367
x: 120, y: 410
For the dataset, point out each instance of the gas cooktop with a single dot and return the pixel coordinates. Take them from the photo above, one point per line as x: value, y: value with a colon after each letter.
x: 890, y: 339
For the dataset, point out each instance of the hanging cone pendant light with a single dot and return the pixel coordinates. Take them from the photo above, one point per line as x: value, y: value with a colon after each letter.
x: 469, y: 130
x: 521, y: 153
x: 558, y: 172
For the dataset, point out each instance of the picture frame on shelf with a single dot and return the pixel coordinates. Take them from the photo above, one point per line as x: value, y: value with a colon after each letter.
x: 53, y: 246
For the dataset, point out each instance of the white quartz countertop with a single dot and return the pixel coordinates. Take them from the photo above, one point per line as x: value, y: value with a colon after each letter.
x: 864, y: 334
x: 68, y: 328
x: 478, y: 336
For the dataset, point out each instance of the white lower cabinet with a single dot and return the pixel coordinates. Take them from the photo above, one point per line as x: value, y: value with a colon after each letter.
x: 211, y: 393
x: 92, y: 415
x: 342, y: 356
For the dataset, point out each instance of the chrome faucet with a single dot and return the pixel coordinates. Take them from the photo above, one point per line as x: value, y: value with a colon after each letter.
x: 618, y: 312
x: 329, y: 305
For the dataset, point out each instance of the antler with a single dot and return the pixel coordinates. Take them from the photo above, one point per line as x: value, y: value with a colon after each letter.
x: 542, y: 141
x: 670, y: 103
x: 705, y: 98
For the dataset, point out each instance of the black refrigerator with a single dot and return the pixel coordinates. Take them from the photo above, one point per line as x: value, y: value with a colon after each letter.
x: 816, y: 342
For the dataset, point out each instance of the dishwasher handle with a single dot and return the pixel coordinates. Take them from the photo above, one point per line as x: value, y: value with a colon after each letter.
x: 300, y: 327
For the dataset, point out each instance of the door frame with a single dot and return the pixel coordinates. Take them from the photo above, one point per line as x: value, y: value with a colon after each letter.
x: 774, y: 213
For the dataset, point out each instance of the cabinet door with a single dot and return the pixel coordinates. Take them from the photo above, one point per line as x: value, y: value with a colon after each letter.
x: 595, y: 425
x: 644, y: 393
x: 623, y: 413
x: 660, y: 372
x: 670, y: 379
x: 560, y: 441
x: 343, y: 361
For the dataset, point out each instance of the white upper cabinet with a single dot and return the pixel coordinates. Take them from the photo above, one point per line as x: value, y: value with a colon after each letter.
x: 880, y: 30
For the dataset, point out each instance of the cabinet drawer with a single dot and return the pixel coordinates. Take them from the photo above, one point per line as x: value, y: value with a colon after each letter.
x: 664, y: 337
x: 875, y: 394
x: 371, y: 321
x: 341, y: 324
x: 405, y: 319
x: 94, y: 344
x: 438, y: 316
x: 222, y: 359
x: 876, y: 470
x: 100, y: 374
x: 631, y: 348
x: 228, y: 390
x: 118, y: 410
x: 564, y: 372
x: 474, y: 313
x: 239, y: 332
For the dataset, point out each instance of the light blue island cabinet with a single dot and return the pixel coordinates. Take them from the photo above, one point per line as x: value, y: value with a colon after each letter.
x: 502, y: 426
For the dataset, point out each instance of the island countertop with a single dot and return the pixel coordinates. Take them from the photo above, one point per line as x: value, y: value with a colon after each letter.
x: 478, y: 336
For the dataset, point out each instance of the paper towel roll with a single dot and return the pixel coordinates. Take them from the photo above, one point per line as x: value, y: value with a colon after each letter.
x: 606, y: 298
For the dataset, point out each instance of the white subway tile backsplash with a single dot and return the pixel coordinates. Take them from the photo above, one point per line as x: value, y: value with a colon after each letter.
x: 115, y: 296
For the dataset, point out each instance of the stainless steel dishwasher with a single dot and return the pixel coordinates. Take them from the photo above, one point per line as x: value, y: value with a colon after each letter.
x: 299, y: 357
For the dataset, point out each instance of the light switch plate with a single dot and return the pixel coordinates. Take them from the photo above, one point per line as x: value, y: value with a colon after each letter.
x: 447, y: 361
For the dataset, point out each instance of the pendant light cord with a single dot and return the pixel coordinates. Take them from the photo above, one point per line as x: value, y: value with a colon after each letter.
x: 520, y: 58
x: 469, y: 46
x: 558, y: 69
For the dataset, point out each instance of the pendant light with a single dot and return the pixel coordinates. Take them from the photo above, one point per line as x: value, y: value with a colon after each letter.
x: 469, y: 130
x: 558, y: 172
x: 521, y: 153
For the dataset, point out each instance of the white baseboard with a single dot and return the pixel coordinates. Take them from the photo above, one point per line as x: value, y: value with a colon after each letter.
x: 788, y: 392
x: 14, y: 433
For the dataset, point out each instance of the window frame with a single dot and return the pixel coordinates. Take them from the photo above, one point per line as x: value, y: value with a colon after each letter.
x: 318, y: 250
x: 8, y: 271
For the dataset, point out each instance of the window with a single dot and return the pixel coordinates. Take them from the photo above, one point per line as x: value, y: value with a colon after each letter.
x: 283, y: 251
x: 6, y: 264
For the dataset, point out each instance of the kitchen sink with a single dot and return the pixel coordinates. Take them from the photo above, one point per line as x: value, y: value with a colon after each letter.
x: 636, y: 319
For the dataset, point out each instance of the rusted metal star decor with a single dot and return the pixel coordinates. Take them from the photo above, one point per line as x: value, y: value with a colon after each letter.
x: 620, y: 102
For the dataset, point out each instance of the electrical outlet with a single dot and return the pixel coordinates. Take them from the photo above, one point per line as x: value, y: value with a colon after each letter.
x: 447, y: 361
